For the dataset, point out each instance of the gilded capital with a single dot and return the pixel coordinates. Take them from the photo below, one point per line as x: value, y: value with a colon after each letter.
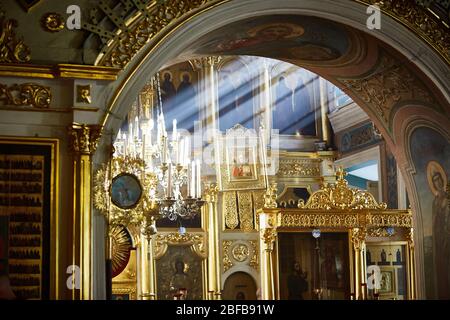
x: 206, y: 62
x: 84, y: 138
x: 211, y: 192
x: 358, y: 237
x: 270, y: 198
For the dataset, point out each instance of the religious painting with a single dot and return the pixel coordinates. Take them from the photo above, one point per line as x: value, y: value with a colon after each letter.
x: 126, y: 191
x: 311, y: 268
x: 390, y: 281
x: 430, y: 153
x: 387, y: 282
x: 236, y: 97
x: 179, y: 274
x: 179, y: 96
x: 307, y: 39
x: 240, y: 160
x: 27, y: 182
x: 295, y: 102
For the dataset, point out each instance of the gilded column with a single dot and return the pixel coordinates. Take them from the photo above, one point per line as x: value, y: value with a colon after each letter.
x: 326, y: 130
x: 214, y: 274
x: 358, y: 237
x: 268, y: 223
x: 412, y: 266
x: 84, y: 140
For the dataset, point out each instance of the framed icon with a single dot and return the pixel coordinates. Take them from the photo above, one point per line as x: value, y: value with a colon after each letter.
x: 126, y: 191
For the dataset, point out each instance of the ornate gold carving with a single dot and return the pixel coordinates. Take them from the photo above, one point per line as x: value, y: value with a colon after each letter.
x: 340, y: 196
x: 11, y: 49
x: 230, y: 210
x: 84, y: 138
x: 358, y: 238
x: 394, y: 220
x: 26, y: 94
x: 240, y: 252
x: 254, y: 260
x: 52, y: 22
x: 211, y: 192
x: 299, y: 168
x: 417, y: 18
x: 319, y: 220
x: 269, y: 236
x: 195, y: 240
x: 121, y: 246
x: 258, y: 203
x: 270, y: 197
x: 387, y: 85
x: 84, y: 93
x: 163, y: 13
x: 227, y: 263
x: 132, y: 217
x: 245, y: 210
x: 205, y: 62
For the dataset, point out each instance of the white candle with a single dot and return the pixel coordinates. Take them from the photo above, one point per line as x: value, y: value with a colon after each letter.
x: 192, y: 190
x: 181, y: 159
x: 174, y: 130
x: 136, y: 132
x: 150, y: 129
x: 169, y: 181
x: 186, y: 155
x: 199, y: 188
x: 164, y: 150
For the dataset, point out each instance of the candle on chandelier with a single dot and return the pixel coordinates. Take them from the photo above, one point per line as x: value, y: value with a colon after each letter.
x: 181, y: 159
x: 136, y: 130
x: 169, y: 181
x: 174, y: 132
x: 186, y: 154
x: 164, y: 149
x: 199, y: 188
x: 150, y: 129
x: 192, y: 189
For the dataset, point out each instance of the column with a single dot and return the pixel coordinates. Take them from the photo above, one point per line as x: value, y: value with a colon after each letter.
x: 84, y: 140
x: 147, y: 269
x: 208, y: 89
x: 268, y: 222
x: 214, y: 273
x: 326, y: 130
x: 411, y: 266
x: 358, y: 237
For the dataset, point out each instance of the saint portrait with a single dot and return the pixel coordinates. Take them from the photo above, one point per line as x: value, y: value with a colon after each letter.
x: 126, y: 191
x: 437, y: 181
x: 180, y: 282
x: 187, y: 108
x: 242, y: 167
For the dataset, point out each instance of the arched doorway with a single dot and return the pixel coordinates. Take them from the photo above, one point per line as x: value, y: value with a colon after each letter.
x: 239, y: 286
x: 379, y: 70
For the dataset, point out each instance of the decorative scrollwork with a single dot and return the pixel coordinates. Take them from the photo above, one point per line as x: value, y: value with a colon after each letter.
x: 52, y: 22
x: 425, y: 24
x: 299, y: 168
x: 227, y: 263
x: 379, y: 232
x: 195, y: 240
x: 12, y: 50
x: 146, y: 208
x: 163, y: 13
x: 340, y: 196
x: 270, y: 197
x: 240, y: 252
x: 254, y: 260
x: 26, y: 94
x: 245, y: 210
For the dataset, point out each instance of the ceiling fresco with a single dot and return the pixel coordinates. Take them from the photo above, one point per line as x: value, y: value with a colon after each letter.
x: 287, y: 37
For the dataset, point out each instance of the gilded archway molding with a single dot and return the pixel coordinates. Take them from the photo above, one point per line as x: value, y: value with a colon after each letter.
x: 171, y: 14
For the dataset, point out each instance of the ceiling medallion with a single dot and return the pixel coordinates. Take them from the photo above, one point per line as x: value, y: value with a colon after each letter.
x: 52, y: 22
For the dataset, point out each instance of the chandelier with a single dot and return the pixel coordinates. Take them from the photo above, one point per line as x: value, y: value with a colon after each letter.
x: 178, y: 189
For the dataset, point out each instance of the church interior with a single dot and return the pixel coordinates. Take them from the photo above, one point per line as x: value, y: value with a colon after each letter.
x: 224, y: 150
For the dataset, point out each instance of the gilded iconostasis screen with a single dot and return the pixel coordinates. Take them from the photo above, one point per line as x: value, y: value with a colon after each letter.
x: 313, y: 268
x: 26, y: 187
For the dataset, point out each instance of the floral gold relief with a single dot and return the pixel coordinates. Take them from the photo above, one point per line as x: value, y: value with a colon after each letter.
x: 245, y: 210
x: 12, y: 49
x: 25, y: 94
x: 230, y: 210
